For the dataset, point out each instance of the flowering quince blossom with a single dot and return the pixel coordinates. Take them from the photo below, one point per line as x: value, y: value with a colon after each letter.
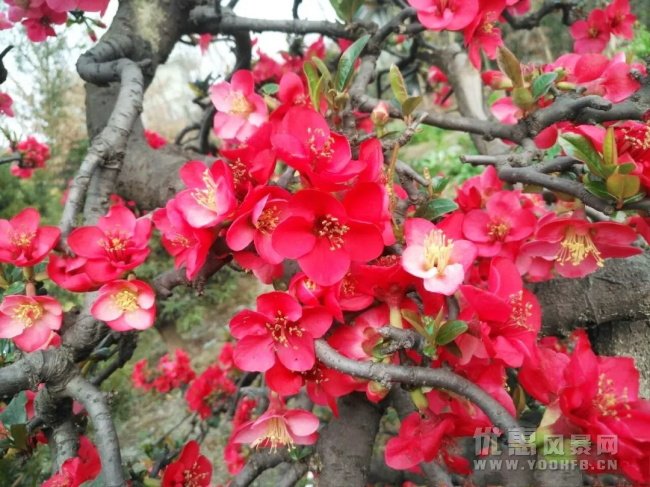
x: 621, y: 19
x: 170, y: 373
x: 512, y: 313
x: 579, y: 247
x: 279, y: 427
x: 325, y: 235
x: 210, y: 197
x: 482, y: 34
x: 70, y: 273
x: 125, y: 305
x: 445, y: 14
x: 592, y: 34
x: 440, y: 261
x: 85, y: 5
x: 239, y: 109
x: 209, y: 390
x: 256, y: 219
x: 281, y: 330
x: 33, y: 154
x: 188, y: 245
x: 76, y: 471
x: 22, y: 242
x: 5, y: 105
x: 154, y: 139
x: 29, y: 321
x: 191, y: 469
x: 118, y: 243
x: 504, y: 220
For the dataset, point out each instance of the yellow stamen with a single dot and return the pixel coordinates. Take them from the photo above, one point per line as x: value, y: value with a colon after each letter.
x: 437, y: 251
x: 280, y: 327
x: 241, y: 106
x: 277, y: 435
x: 207, y: 197
x: 330, y: 227
x: 28, y: 313
x: 606, y: 401
x: 126, y: 300
x: 268, y: 220
x: 575, y: 248
x: 24, y: 240
x: 498, y: 230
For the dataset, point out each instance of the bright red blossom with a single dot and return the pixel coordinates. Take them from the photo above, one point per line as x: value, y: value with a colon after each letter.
x: 190, y: 470
x: 22, y: 242
x: 281, y: 330
x: 209, y: 390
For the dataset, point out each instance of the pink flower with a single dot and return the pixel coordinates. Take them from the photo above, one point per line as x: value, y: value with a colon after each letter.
x: 38, y: 23
x: 70, y: 273
x: 621, y: 20
x: 85, y: 5
x: 5, y: 23
x: 5, y: 104
x: 256, y: 219
x: 503, y: 221
x: 29, y: 321
x: 188, y: 245
x: 22, y: 242
x: 280, y: 329
x: 204, y: 42
x: 445, y: 14
x: 118, y: 243
x: 125, y: 305
x: 325, y: 236
x: 441, y: 262
x: 210, y: 197
x: 279, y: 427
x: 240, y: 109
x: 591, y: 35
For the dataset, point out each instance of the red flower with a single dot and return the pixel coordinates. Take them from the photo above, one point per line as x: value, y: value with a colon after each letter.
x: 445, y: 14
x: 256, y: 219
x: 621, y: 20
x: 208, y: 391
x: 188, y: 245
x: 190, y: 470
x: 22, y: 242
x: 512, y: 313
x: 125, y: 305
x: 325, y: 236
x: 481, y: 33
x: 5, y: 100
x: 305, y: 142
x: 503, y: 221
x: 419, y: 440
x: 70, y: 273
x: 279, y: 427
x: 76, y: 471
x: 542, y: 374
x: 210, y: 197
x: 118, y: 243
x: 154, y: 139
x: 579, y: 247
x: 591, y: 35
x: 34, y: 154
x: 280, y: 329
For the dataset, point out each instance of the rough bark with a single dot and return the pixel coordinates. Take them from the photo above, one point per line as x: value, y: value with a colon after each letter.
x: 346, y: 443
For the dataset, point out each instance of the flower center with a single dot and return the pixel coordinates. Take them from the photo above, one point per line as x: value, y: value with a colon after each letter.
x: 180, y: 241
x: 331, y: 228
x: 207, y: 197
x: 126, y: 300
x: 268, y: 220
x: 276, y: 435
x: 348, y: 286
x: 320, y: 148
x: 281, y: 328
x: 498, y: 230
x: 575, y: 248
x: 28, y: 313
x: 115, y: 245
x: 192, y: 477
x: 22, y: 240
x: 241, y: 106
x: 521, y: 310
x: 437, y: 251
x: 593, y: 32
x: 606, y: 401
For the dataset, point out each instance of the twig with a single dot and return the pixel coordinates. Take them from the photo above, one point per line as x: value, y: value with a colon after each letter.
x: 257, y: 463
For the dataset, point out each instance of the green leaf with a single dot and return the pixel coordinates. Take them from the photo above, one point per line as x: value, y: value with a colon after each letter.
x: 436, y: 208
x: 440, y: 185
x: 270, y: 88
x: 542, y: 84
x: 345, y: 9
x: 449, y: 331
x: 598, y: 188
x: 412, y: 317
x: 610, y: 151
x: 346, y: 63
x: 322, y: 67
x: 410, y: 104
x: 397, y: 84
x: 430, y: 351
x: 15, y: 412
x: 626, y: 168
x: 19, y: 435
x: 15, y: 288
x: 312, y: 82
x: 635, y: 198
x: 580, y: 148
